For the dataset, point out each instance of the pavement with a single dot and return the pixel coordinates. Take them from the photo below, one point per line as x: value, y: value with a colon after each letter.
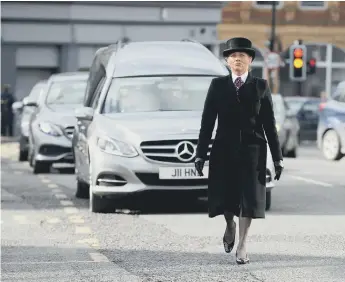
x: 49, y: 235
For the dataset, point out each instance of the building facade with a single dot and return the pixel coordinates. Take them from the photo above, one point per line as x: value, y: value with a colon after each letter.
x: 320, y: 24
x: 41, y: 38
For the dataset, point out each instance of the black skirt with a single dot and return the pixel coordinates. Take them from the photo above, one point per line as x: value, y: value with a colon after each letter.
x: 247, y: 196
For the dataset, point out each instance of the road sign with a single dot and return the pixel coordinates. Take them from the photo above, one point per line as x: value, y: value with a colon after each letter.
x: 272, y: 60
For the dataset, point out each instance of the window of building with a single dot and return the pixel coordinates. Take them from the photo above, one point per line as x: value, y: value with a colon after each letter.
x: 313, y: 5
x: 268, y: 4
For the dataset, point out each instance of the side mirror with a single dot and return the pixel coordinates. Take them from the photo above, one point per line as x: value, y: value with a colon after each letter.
x: 84, y: 113
x: 28, y: 103
x: 17, y: 106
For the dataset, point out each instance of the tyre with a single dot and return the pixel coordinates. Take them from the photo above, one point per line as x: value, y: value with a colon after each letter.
x: 82, y: 190
x: 268, y: 200
x: 331, y: 147
x: 23, y: 156
x: 40, y: 167
x: 292, y: 153
x: 97, y: 203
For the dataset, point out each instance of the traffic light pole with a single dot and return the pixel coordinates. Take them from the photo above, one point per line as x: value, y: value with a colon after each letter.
x: 272, y: 42
x: 273, y: 26
x: 299, y: 87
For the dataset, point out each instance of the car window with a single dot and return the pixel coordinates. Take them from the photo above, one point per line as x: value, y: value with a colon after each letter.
x: 152, y: 94
x: 311, y: 107
x: 97, y: 94
x: 295, y: 105
x: 66, y: 92
x: 36, y: 91
x: 339, y: 94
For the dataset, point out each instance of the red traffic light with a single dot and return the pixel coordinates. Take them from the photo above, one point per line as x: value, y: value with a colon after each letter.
x: 298, y: 53
x: 312, y: 62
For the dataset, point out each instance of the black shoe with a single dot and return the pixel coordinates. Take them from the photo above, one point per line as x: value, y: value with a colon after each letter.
x: 242, y: 260
x: 228, y: 246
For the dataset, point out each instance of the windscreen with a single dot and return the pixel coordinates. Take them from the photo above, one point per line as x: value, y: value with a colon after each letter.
x: 279, y: 108
x: 36, y: 91
x: 152, y: 94
x: 295, y: 105
x: 66, y: 92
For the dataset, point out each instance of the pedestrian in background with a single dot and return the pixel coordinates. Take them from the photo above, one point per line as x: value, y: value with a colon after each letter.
x: 237, y: 167
x: 7, y: 100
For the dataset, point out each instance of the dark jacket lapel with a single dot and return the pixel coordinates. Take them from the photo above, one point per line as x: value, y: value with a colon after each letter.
x: 250, y: 79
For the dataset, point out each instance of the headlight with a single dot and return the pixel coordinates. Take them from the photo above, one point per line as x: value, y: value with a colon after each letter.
x: 277, y: 127
x: 50, y: 128
x: 116, y: 147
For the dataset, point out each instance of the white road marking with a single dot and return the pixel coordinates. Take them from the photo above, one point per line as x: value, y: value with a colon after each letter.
x: 71, y: 210
x: 93, y: 242
x: 308, y: 180
x: 45, y: 180
x: 53, y: 220
x: 48, y: 262
x: 21, y: 219
x: 57, y: 191
x: 98, y: 257
x: 52, y: 185
x: 76, y: 219
x: 66, y: 203
x: 82, y: 230
x: 61, y: 196
x: 18, y: 172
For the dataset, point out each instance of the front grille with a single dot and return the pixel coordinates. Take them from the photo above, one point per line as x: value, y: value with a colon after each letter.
x: 153, y: 179
x: 52, y: 150
x: 169, y: 150
x: 69, y: 131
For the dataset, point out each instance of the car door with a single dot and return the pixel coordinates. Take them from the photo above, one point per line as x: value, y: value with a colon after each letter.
x: 81, y: 148
x: 308, y: 117
x: 28, y: 111
x: 339, y: 113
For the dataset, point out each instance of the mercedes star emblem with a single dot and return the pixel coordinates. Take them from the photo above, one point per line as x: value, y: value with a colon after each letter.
x: 185, y: 151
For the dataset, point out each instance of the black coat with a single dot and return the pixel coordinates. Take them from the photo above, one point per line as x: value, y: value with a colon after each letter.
x: 237, y: 167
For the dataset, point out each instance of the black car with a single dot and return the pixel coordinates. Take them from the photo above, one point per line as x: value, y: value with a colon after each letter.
x: 306, y: 110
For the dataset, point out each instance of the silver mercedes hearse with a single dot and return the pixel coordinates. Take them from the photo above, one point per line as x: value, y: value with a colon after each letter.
x: 140, y: 122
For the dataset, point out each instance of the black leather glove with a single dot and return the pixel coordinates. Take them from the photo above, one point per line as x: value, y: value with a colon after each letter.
x: 278, y: 166
x: 199, y: 165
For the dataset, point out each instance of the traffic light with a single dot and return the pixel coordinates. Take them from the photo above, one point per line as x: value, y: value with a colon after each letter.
x: 298, y: 65
x: 311, y: 66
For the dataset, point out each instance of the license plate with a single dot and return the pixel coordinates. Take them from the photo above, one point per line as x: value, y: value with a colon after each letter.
x: 181, y: 173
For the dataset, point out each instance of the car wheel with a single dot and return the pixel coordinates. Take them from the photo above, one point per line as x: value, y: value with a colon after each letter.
x: 23, y: 156
x: 97, y: 204
x: 268, y: 200
x: 331, y: 147
x: 82, y: 190
x: 41, y: 167
x: 292, y: 153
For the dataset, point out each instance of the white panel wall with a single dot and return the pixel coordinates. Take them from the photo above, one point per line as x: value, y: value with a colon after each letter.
x: 38, y: 33
x: 85, y: 56
x: 114, y: 13
x: 206, y: 15
x: 97, y: 33
x: 34, y: 10
x: 46, y: 57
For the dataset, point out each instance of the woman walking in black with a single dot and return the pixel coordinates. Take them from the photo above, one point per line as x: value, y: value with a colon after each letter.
x: 237, y: 167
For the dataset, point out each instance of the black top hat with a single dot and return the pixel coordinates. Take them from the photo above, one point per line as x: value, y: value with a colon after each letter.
x: 239, y: 44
